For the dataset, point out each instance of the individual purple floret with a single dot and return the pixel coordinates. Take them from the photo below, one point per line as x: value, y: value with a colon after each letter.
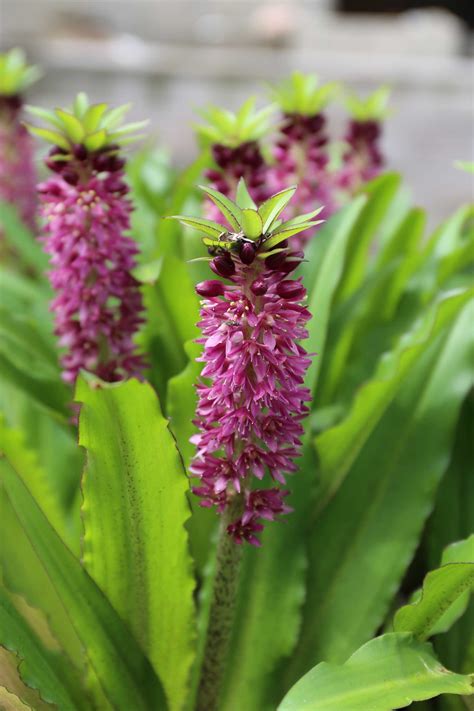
x: 98, y: 305
x: 252, y: 398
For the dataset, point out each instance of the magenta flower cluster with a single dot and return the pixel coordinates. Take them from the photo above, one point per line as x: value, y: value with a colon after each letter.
x: 363, y: 159
x: 301, y: 156
x: 17, y: 172
x: 98, y: 307
x: 250, y: 413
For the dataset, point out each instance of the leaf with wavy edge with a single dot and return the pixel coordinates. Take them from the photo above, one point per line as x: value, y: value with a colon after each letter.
x: 11, y: 702
x: 124, y: 672
x: 389, y: 672
x: 444, y: 596
x: 134, y: 512
x: 11, y: 680
x: 41, y: 668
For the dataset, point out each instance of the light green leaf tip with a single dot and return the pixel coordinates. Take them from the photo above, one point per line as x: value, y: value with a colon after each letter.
x: 389, y: 672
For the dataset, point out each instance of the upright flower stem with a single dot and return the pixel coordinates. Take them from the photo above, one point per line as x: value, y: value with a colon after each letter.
x: 222, y: 611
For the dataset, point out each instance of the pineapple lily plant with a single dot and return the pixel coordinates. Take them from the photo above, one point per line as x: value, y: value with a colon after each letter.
x: 264, y: 499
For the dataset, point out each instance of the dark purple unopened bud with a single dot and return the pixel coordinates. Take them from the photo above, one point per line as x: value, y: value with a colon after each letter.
x: 55, y: 165
x: 274, y: 261
x: 212, y: 287
x: 70, y: 176
x: 223, y: 265
x: 79, y: 151
x: 258, y: 287
x: 116, y: 163
x: 289, y: 289
x: 247, y: 253
x: 115, y: 185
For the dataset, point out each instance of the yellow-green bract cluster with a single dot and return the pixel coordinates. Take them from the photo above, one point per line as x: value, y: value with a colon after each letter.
x: 248, y: 220
x: 94, y: 126
x: 15, y: 74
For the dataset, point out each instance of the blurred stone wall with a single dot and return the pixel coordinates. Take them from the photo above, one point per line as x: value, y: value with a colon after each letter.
x: 172, y: 56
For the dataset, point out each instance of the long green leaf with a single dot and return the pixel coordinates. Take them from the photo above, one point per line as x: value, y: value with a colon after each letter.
x: 322, y: 291
x: 381, y: 192
x: 135, y: 508
x: 339, y: 446
x: 356, y: 561
x: 125, y: 674
x: 387, y: 673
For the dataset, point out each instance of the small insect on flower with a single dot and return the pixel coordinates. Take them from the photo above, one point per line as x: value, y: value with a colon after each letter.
x: 253, y: 400
x: 98, y: 307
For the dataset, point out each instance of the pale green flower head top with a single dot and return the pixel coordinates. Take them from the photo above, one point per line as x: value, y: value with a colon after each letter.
x: 15, y: 74
x: 94, y: 126
x: 249, y: 222
x: 303, y: 94
x: 373, y: 108
x: 232, y: 129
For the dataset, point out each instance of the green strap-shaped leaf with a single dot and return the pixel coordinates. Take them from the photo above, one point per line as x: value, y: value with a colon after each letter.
x: 339, y: 446
x: 381, y: 191
x: 24, y: 461
x: 323, y: 289
x: 444, y: 596
x: 356, y: 563
x: 21, y: 239
x: 125, y: 674
x: 390, y: 672
x: 135, y: 508
x: 40, y: 668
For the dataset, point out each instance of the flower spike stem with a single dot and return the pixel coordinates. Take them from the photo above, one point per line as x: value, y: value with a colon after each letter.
x: 221, y: 617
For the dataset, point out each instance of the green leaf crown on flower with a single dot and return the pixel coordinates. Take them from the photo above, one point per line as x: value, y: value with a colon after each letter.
x: 16, y: 74
x: 303, y: 94
x: 233, y: 129
x: 94, y: 126
x: 249, y: 222
x: 373, y: 108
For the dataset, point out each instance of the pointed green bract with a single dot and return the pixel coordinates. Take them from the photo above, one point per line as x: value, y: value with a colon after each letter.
x: 93, y: 125
x: 302, y: 94
x: 232, y: 129
x: 228, y: 208
x: 274, y: 206
x: 251, y: 223
x: 15, y: 74
x: 243, y: 197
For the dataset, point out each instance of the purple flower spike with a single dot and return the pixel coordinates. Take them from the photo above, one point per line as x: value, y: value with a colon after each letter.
x: 98, y: 305
x: 17, y: 171
x: 252, y: 400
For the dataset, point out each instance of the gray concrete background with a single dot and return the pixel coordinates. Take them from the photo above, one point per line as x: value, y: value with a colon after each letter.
x: 172, y: 56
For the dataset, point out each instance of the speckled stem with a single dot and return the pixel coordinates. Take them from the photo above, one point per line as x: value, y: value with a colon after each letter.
x: 221, y: 615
